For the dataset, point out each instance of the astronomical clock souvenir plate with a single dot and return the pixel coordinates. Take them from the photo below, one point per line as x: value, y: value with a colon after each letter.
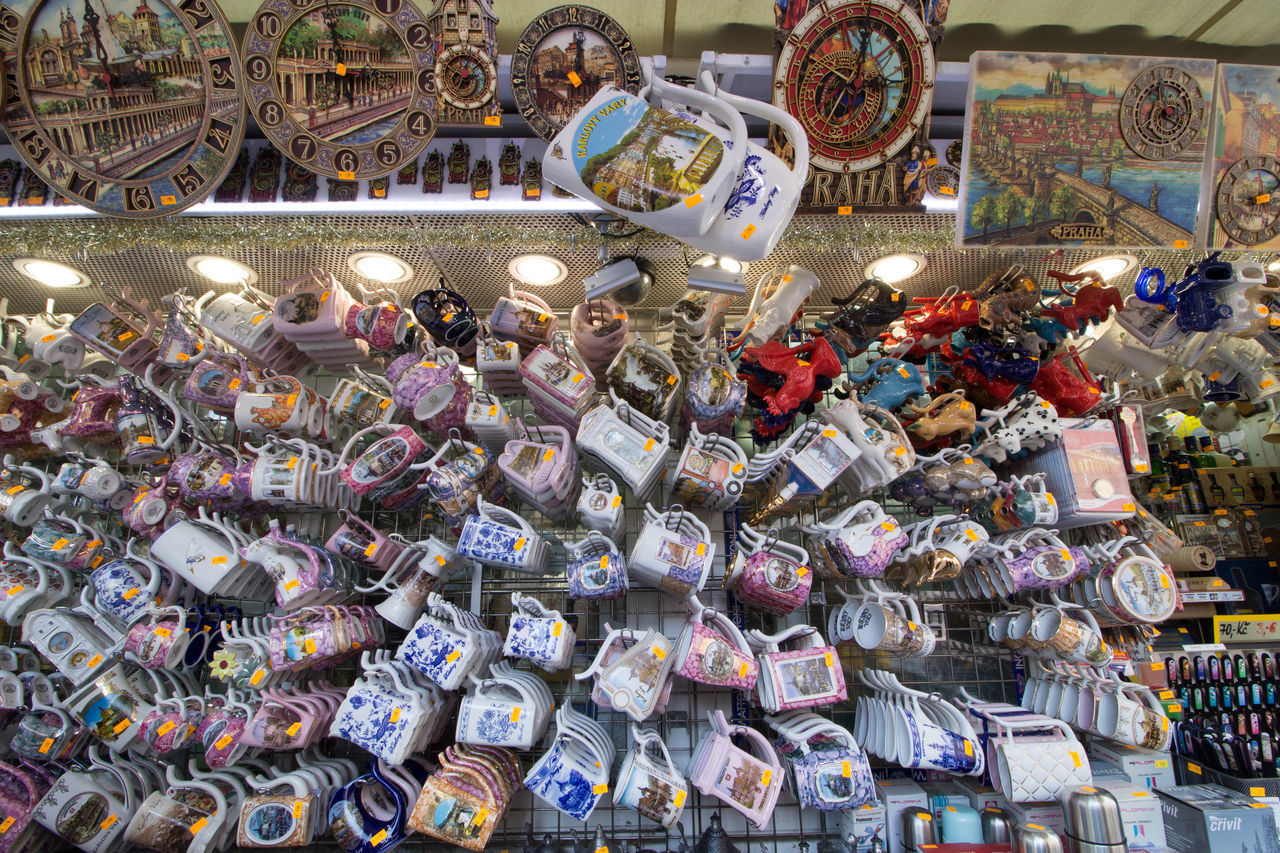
x: 1069, y: 149
x: 563, y: 58
x: 858, y: 75
x: 1244, y: 179
x: 132, y: 108
x: 345, y: 88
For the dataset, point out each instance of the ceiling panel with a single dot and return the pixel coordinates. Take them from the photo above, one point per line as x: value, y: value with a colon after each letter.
x: 481, y: 274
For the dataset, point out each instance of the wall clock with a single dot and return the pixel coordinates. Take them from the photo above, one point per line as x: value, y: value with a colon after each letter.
x: 943, y: 182
x: 466, y: 65
x: 563, y: 58
x: 859, y: 77
x: 1162, y: 112
x: 1247, y: 202
x: 1244, y: 182
x: 129, y: 107
x: 348, y: 88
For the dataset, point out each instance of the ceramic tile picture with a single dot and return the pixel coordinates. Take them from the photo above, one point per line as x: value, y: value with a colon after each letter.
x: 1068, y: 149
x: 1243, y: 178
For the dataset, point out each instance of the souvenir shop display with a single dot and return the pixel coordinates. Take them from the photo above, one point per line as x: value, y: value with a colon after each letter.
x: 550, y: 535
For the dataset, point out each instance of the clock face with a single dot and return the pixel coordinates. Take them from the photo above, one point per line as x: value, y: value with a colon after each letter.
x: 563, y: 58
x: 466, y: 77
x: 943, y: 182
x: 346, y: 89
x: 1162, y: 112
x: 858, y: 74
x: 132, y: 108
x: 1248, y: 200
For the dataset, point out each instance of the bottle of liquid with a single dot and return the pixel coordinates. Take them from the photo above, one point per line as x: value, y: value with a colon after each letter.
x: 1256, y: 488
x: 1237, y: 490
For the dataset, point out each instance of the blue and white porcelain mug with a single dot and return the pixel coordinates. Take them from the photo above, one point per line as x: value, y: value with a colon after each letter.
x: 539, y: 634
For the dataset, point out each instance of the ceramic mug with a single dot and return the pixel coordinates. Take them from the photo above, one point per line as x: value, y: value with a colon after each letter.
x: 880, y: 628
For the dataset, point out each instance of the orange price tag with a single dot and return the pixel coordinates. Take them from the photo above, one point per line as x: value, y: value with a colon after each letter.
x: 659, y: 653
x: 379, y: 193
x: 493, y: 121
x: 748, y: 231
x: 48, y: 338
x: 1180, y: 244
x: 346, y: 176
x: 519, y: 544
x: 379, y: 837
x: 648, y: 444
x: 693, y: 200
x: 289, y: 586
x: 844, y: 210
x: 218, y: 561
x: 48, y: 745
x: 94, y: 661
x: 575, y: 79
x: 257, y: 677
x: 13, y: 490
x: 122, y: 725
x: 373, y: 546
x: 680, y: 798
x: 617, y: 501
x: 395, y: 714
x: 130, y: 594
x: 482, y: 194
x: 701, y: 549
x: 168, y: 199
x: 453, y: 656
x: 293, y: 730
x: 310, y: 645
x: 109, y: 822
x: 169, y: 726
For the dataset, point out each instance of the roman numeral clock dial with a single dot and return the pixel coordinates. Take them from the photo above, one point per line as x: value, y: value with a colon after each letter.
x: 859, y: 77
x: 1162, y: 112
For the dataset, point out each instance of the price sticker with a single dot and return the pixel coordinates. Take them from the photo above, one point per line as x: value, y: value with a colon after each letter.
x: 827, y: 656
x: 168, y: 199
x: 1262, y: 199
x: 947, y: 190
x: 1257, y: 792
x: 293, y: 730
x: 48, y: 338
x: 558, y: 628
x: 5, y: 824
x: 968, y: 748
x: 346, y: 176
x: 48, y: 744
x: 575, y: 79
x: 1194, y: 768
x: 163, y: 633
x: 671, y: 380
x: 617, y: 501
x: 1128, y: 507
x: 480, y: 815
x: 828, y: 433
x: 310, y: 646
x: 577, y: 377
x: 1162, y: 764
x: 659, y: 652
x: 222, y: 742
x: 289, y: 586
x: 94, y: 661
x: 693, y: 200
x: 681, y: 796
x: 846, y: 769
x: 766, y: 776
x: 743, y: 669
x: 122, y: 725
x: 844, y: 210
x: 14, y: 590
x: 649, y: 444
x: 440, y: 560
x: 1180, y: 244
x: 899, y: 451
x: 378, y: 837
x: 257, y: 677
x: 748, y: 231
x: 233, y: 384
x: 453, y: 656
x: 218, y: 561
x: 169, y: 726
x: 515, y: 714
x: 971, y: 533
x: 297, y: 810
x: 481, y: 194
x: 369, y: 551
x: 124, y: 336
x: 1075, y: 757
x: 802, y: 571
x: 701, y: 549
x: 379, y: 193
x: 519, y: 544
x: 493, y: 121
x: 16, y: 489
x: 341, y: 71
x: 395, y: 714
x: 600, y: 789
x: 546, y: 457
x: 109, y: 822
x: 533, y: 192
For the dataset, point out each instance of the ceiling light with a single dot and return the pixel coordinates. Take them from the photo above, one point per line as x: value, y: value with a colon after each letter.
x: 51, y: 273
x: 221, y: 270
x: 540, y: 270
x: 380, y: 267
x: 892, y: 269
x: 730, y: 265
x: 718, y: 274
x: 1107, y: 267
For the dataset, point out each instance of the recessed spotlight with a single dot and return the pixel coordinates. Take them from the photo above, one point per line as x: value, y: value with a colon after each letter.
x: 221, y: 270
x: 892, y: 269
x: 380, y: 267
x: 729, y: 265
x: 1108, y: 266
x: 51, y: 273
x: 540, y: 270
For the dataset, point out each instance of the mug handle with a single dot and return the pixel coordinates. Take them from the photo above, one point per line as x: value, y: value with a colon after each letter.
x: 795, y: 132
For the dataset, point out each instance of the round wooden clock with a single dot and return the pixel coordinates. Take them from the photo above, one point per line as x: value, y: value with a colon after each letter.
x: 129, y: 107
x: 1247, y: 202
x: 1162, y: 112
x: 346, y: 88
x: 563, y: 58
x: 858, y: 74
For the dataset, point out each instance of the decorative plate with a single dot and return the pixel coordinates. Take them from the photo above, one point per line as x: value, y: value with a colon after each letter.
x: 563, y: 58
x: 346, y: 88
x: 129, y: 108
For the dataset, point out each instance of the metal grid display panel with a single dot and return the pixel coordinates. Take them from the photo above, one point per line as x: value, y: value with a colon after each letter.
x: 963, y: 659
